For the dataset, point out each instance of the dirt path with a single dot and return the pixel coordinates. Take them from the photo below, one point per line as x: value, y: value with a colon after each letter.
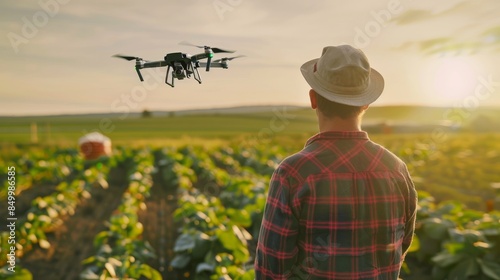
x: 159, y: 228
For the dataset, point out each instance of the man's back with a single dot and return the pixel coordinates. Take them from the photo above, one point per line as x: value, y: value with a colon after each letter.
x: 342, y: 208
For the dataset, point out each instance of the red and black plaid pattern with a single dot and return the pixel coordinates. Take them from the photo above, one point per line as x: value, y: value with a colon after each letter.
x: 342, y: 208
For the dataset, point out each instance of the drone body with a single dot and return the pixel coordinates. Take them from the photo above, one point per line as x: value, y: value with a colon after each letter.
x: 183, y: 65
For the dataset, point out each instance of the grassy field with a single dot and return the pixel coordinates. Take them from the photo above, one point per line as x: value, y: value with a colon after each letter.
x: 135, y: 128
x: 213, y: 124
x: 460, y: 164
x: 457, y: 164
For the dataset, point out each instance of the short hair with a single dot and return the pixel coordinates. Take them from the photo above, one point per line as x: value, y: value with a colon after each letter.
x: 332, y: 109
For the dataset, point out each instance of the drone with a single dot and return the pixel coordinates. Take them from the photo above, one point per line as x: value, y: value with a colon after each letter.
x: 183, y: 65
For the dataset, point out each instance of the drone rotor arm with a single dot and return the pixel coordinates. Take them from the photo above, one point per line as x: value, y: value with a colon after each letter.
x: 199, y: 56
x: 213, y: 64
x: 223, y: 62
x: 152, y: 64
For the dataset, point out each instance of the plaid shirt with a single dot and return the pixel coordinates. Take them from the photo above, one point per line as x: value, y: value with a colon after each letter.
x: 342, y: 208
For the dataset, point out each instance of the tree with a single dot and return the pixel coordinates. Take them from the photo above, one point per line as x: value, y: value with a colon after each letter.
x: 146, y: 113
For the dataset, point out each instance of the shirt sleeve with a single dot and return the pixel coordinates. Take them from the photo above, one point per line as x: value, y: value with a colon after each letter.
x: 411, y: 213
x: 276, y: 248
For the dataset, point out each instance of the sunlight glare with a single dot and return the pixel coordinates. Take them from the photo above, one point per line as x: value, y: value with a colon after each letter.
x: 452, y: 79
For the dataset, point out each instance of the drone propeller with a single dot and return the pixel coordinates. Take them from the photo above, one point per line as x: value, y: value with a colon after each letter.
x: 138, y: 63
x: 209, y: 51
x: 126, y: 57
x: 185, y: 43
x: 215, y: 50
x: 227, y: 58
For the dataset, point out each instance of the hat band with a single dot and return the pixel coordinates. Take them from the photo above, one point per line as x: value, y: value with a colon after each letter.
x: 342, y: 89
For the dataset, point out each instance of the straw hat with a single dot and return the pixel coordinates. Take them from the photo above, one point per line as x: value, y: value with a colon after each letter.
x: 343, y: 74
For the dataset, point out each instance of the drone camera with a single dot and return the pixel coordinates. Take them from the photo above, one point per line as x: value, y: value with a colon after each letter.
x: 179, y: 71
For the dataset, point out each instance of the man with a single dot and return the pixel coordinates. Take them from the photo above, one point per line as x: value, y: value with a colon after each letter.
x: 343, y: 207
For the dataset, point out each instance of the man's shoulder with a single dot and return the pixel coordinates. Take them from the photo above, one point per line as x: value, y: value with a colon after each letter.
x: 294, y: 158
x: 292, y: 168
x: 310, y: 160
x: 289, y: 163
x: 299, y: 164
x: 298, y: 158
x: 387, y: 155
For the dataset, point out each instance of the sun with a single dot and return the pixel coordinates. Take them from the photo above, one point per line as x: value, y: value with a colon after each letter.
x: 451, y: 79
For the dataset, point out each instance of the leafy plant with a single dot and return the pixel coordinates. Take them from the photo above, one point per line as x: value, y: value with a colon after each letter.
x: 456, y: 242
x: 121, y: 252
x: 466, y: 254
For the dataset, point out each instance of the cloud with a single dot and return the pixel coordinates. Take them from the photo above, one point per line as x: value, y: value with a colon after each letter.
x: 492, y: 35
x: 488, y: 40
x: 436, y: 12
x: 412, y: 16
x: 449, y: 46
x: 452, y: 27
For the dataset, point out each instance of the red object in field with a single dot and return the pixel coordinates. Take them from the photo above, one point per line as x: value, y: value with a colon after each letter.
x: 94, y: 145
x: 490, y: 205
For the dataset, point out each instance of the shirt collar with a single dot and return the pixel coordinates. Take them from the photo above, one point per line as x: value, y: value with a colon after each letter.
x: 338, y: 135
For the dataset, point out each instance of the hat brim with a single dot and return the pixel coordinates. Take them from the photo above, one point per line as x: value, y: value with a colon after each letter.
x: 369, y: 95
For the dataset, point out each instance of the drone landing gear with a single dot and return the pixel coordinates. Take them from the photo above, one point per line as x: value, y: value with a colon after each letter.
x: 166, y: 78
x: 192, y: 69
x: 139, y: 73
x: 196, y: 75
x: 186, y: 73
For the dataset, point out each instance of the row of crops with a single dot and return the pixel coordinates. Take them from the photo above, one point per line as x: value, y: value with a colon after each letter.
x: 220, y: 214
x: 463, y: 167
x: 221, y: 194
x: 219, y: 227
x: 121, y: 253
x: 74, y: 182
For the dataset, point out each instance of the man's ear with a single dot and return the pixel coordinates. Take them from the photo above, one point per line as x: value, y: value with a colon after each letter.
x: 365, y: 107
x: 312, y: 97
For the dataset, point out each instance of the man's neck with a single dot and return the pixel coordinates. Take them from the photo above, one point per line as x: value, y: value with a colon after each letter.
x: 338, y: 124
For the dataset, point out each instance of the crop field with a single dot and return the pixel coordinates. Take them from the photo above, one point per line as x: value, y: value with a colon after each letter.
x: 163, y: 207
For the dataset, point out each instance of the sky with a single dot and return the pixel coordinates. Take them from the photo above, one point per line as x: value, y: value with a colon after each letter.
x: 57, y: 54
